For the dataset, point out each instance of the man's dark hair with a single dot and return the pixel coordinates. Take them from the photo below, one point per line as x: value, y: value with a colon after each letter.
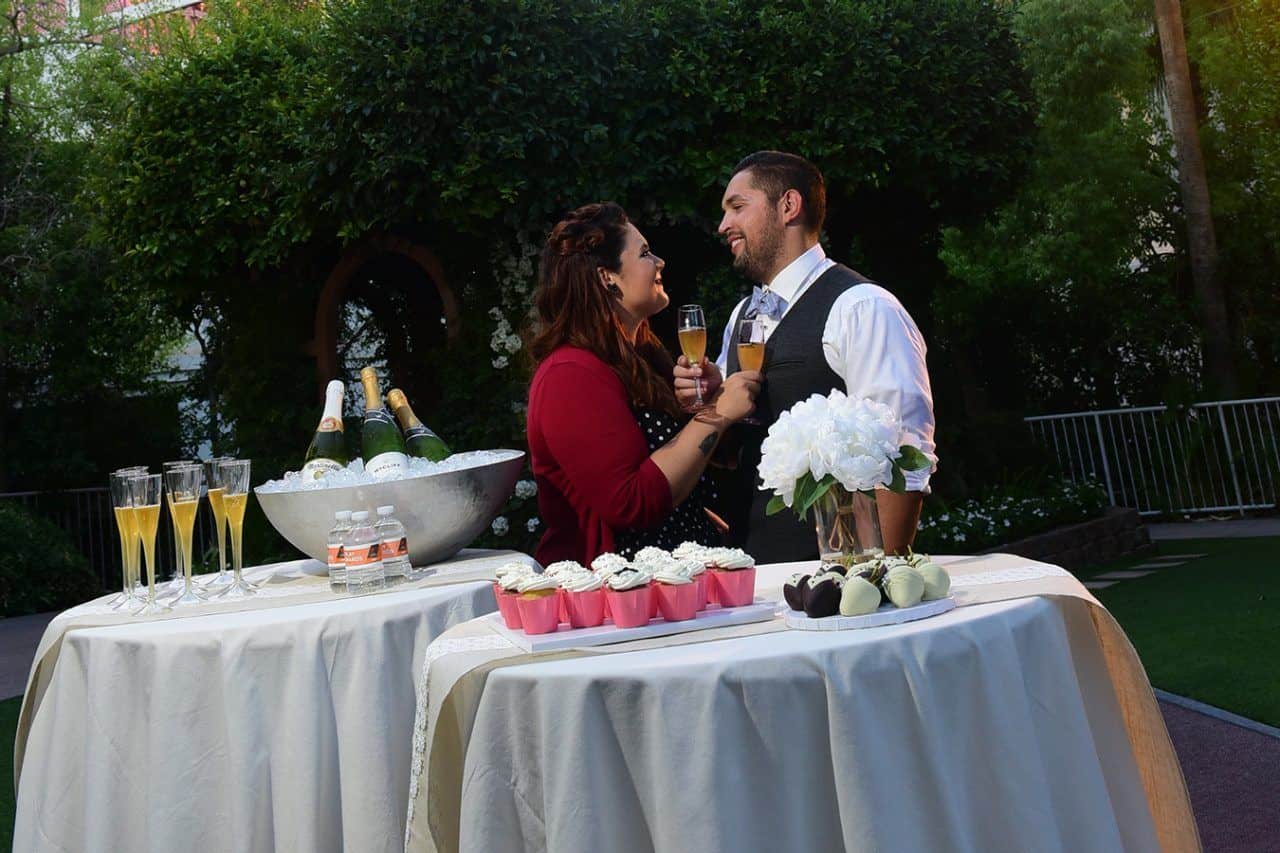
x: 775, y: 172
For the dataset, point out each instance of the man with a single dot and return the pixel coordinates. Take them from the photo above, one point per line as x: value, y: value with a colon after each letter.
x: 825, y: 327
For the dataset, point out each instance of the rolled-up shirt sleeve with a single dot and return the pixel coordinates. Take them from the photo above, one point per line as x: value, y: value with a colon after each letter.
x: 872, y: 343
x: 589, y: 427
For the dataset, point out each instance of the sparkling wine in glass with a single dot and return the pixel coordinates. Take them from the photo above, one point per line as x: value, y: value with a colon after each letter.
x: 145, y: 492
x: 213, y: 478
x: 693, y: 340
x: 235, y: 499
x: 751, y: 351
x: 183, y: 486
x: 174, y: 585
x: 127, y: 526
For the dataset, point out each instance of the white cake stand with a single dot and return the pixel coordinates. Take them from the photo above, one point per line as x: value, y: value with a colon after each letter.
x: 887, y: 614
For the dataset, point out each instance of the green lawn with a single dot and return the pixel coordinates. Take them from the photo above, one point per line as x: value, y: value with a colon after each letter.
x: 1210, y: 628
x: 8, y: 727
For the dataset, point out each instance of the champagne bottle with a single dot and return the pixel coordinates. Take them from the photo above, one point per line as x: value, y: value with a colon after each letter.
x: 418, y: 439
x: 381, y: 444
x: 328, y: 449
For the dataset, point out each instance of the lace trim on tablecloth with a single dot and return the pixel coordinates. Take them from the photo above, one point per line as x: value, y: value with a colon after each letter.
x: 435, y: 651
x: 1009, y: 576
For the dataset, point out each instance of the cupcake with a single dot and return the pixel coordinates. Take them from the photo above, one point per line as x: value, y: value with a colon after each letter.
x: 629, y: 597
x: 506, y: 590
x: 583, y: 596
x: 823, y: 596
x: 608, y: 564
x: 793, y: 591
x: 696, y: 569
x: 559, y: 570
x: 675, y: 592
x: 539, y: 603
x: 733, y: 574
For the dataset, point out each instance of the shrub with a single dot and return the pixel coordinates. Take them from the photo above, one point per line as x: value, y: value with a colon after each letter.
x: 42, y: 570
x: 1007, y: 514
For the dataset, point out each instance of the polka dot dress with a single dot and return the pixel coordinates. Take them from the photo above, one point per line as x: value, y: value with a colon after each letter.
x: 687, y: 522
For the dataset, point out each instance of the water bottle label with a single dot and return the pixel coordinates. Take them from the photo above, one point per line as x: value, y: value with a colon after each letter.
x: 393, y: 462
x: 317, y: 468
x: 337, y: 558
x: 358, y: 556
x: 395, y: 548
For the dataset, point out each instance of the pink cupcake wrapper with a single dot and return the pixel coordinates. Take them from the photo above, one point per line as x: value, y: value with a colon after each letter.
x: 539, y: 615
x: 585, y: 609
x: 507, y: 607
x: 735, y: 588
x: 630, y: 607
x: 677, y: 602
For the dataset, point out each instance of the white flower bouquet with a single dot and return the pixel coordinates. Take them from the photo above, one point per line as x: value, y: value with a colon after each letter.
x: 825, y: 452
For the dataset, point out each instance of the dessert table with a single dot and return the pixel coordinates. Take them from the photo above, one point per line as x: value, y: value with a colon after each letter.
x: 1020, y: 720
x: 284, y: 726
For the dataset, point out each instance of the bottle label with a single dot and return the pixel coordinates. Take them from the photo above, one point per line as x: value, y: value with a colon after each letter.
x: 359, y: 556
x: 330, y: 424
x: 395, y: 548
x: 392, y: 462
x: 317, y: 468
x: 337, y: 557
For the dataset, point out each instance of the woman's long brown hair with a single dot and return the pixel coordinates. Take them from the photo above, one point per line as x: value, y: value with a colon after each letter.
x: 574, y: 309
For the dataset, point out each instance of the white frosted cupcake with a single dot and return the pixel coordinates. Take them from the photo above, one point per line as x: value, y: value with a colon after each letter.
x: 630, y: 597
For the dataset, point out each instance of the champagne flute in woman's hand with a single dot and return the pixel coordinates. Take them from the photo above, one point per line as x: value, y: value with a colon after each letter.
x: 693, y: 341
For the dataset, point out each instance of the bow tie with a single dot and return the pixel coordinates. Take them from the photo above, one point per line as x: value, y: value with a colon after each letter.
x: 765, y: 302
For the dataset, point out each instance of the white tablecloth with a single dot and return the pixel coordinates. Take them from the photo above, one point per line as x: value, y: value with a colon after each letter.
x: 991, y: 728
x: 285, y: 729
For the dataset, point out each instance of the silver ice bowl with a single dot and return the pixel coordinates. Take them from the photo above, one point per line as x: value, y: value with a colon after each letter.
x: 442, y: 513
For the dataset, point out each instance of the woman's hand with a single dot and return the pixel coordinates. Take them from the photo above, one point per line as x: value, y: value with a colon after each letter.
x: 687, y: 377
x: 737, y: 397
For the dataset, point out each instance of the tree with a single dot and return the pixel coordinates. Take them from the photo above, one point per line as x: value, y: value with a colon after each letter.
x: 1202, y: 244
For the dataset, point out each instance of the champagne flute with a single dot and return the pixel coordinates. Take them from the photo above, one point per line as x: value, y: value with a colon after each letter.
x: 144, y: 491
x: 692, y: 330
x: 235, y: 498
x: 213, y: 477
x: 174, y: 585
x: 126, y: 525
x: 751, y: 351
x: 183, y: 487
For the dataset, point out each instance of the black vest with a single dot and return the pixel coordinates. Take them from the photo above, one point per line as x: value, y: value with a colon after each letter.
x: 794, y: 368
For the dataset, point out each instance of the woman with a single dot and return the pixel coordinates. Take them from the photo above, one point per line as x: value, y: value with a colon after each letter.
x: 618, y: 465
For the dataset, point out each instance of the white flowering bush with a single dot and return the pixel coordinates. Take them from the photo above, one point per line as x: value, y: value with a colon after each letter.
x: 824, y: 441
x: 1007, y: 514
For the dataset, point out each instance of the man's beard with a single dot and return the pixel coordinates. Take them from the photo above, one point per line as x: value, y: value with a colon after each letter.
x: 757, y: 262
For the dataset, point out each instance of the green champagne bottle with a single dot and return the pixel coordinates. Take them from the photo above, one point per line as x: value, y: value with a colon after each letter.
x: 328, y: 449
x: 418, y: 439
x: 381, y: 444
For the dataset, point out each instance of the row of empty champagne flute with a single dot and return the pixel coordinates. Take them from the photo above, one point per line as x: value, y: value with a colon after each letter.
x: 136, y: 499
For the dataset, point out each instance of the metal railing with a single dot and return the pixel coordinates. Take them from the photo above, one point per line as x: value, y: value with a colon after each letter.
x: 86, y: 516
x: 1209, y: 457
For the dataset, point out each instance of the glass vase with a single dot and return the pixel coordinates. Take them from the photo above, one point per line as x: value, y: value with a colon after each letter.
x: 848, y: 527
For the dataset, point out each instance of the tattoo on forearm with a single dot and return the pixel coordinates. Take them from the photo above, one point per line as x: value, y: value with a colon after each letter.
x: 708, y: 444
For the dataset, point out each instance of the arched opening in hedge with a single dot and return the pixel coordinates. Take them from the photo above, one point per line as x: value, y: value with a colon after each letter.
x: 386, y: 301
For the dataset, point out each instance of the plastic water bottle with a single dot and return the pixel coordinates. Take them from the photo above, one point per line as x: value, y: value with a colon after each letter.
x: 337, y: 558
x: 395, y: 545
x: 362, y: 551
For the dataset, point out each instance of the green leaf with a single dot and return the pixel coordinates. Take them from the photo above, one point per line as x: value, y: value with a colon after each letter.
x: 912, y: 459
x: 899, y: 482
x: 775, y: 505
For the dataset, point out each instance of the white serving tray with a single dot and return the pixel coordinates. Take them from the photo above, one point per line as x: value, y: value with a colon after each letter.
x: 575, y: 638
x: 886, y: 615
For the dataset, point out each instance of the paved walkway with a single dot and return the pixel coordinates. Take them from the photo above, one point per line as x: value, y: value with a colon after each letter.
x: 1210, y: 528
x: 19, y: 636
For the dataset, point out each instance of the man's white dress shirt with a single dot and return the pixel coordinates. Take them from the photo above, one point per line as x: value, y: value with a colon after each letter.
x: 870, y: 341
